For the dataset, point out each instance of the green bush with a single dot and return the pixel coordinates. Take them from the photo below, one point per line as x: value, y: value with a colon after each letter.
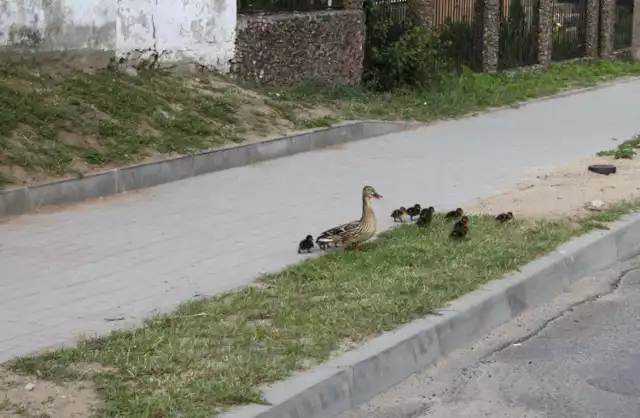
x: 398, y: 54
x: 462, y: 42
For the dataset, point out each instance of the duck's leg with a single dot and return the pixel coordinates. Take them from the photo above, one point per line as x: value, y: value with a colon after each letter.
x: 355, y: 246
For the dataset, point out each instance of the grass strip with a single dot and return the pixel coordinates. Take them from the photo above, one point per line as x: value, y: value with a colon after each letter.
x: 217, y: 352
x: 458, y: 95
x: 626, y: 149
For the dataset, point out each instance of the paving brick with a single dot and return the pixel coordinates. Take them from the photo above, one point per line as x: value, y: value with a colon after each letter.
x: 133, y: 253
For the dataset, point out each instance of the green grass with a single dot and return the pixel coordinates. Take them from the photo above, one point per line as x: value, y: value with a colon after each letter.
x: 460, y: 95
x: 214, y: 353
x: 627, y: 149
x: 61, y: 122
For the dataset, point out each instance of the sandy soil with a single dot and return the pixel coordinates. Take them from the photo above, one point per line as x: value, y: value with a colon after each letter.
x: 564, y: 191
x: 27, y: 397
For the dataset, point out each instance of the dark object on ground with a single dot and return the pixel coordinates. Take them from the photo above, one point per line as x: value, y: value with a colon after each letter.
x: 453, y: 215
x: 461, y: 228
x: 603, y: 168
x: 414, y: 211
x: 306, y: 244
x: 426, y: 216
x: 504, y: 217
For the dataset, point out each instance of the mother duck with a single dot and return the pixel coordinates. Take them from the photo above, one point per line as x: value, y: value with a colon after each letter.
x: 355, y: 232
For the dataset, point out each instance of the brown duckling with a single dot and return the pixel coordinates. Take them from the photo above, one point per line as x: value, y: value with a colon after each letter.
x: 504, y: 217
x: 426, y: 216
x: 414, y: 211
x: 453, y: 215
x: 397, y: 214
x: 461, y: 228
x: 306, y: 244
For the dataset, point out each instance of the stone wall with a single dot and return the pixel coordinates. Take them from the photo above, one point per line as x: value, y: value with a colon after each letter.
x: 289, y: 48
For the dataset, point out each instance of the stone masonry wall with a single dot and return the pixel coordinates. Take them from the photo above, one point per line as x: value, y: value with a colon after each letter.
x: 289, y: 48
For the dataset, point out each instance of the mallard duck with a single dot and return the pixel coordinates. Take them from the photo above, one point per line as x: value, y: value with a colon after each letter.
x: 355, y: 232
x: 397, y: 214
x: 414, y: 211
x: 306, y: 244
x: 322, y: 244
x: 426, y: 216
x: 454, y: 214
x: 461, y: 228
x: 504, y: 217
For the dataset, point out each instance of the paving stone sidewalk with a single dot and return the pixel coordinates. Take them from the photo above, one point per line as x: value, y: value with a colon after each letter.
x: 96, y: 266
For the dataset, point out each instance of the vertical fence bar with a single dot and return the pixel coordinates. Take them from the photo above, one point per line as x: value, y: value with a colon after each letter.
x: 569, y: 29
x: 518, y: 24
x: 623, y: 27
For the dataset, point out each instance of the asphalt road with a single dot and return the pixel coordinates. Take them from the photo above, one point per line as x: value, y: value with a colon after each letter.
x: 576, y: 357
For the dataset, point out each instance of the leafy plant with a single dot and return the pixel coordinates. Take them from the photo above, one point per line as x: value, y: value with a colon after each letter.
x: 398, y: 53
x: 626, y: 150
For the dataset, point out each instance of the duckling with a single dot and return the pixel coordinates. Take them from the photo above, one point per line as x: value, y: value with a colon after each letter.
x: 504, y: 217
x: 426, y: 216
x: 306, y: 244
x: 414, y: 211
x: 397, y: 214
x: 461, y: 228
x: 453, y: 215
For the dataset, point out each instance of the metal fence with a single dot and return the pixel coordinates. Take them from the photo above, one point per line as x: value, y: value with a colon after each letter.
x: 459, y: 24
x: 624, y: 24
x: 569, y: 29
x: 275, y: 6
x: 518, y: 23
x: 393, y: 10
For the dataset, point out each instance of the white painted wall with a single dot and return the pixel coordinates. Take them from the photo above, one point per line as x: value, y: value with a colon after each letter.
x: 193, y: 30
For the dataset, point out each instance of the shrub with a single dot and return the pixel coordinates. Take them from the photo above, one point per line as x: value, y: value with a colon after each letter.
x: 399, y: 54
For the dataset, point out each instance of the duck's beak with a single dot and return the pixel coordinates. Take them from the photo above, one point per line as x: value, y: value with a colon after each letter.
x: 377, y: 196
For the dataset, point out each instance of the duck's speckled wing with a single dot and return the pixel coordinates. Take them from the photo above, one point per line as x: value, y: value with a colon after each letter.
x: 329, y: 234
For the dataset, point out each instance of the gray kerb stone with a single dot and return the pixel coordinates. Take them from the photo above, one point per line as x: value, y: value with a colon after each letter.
x: 29, y: 199
x: 357, y: 376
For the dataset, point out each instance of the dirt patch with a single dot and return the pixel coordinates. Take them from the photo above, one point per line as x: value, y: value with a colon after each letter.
x: 564, y: 191
x: 22, y: 396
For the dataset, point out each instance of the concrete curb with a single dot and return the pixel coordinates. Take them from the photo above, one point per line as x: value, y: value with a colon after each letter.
x: 29, y: 199
x: 357, y: 376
